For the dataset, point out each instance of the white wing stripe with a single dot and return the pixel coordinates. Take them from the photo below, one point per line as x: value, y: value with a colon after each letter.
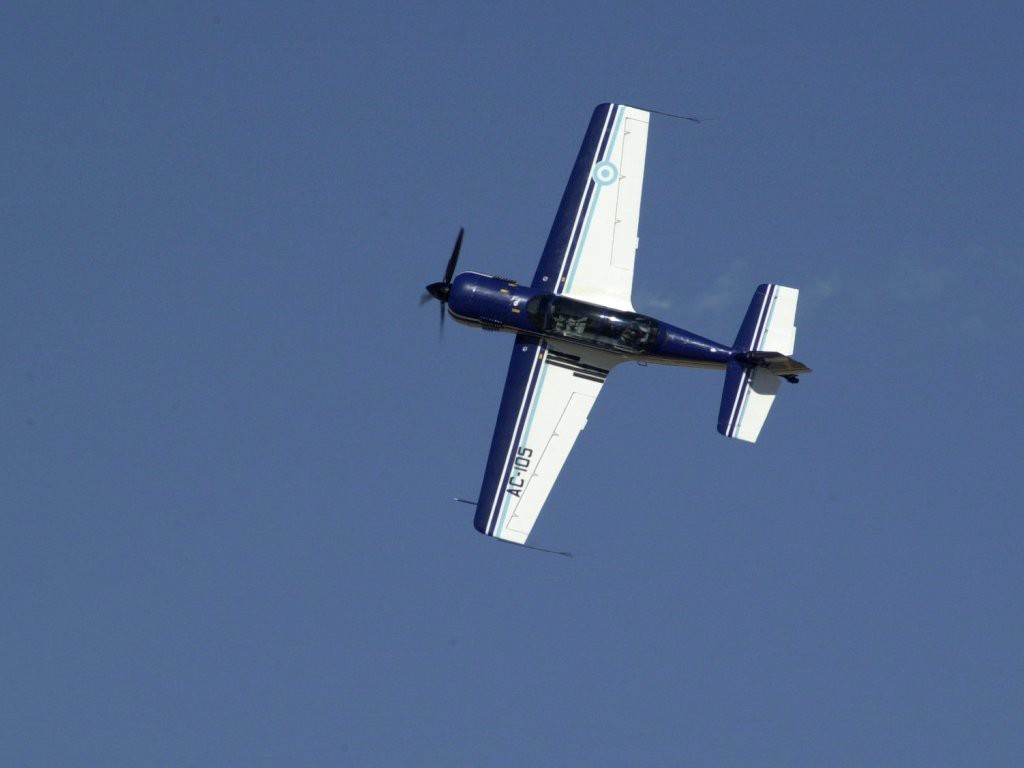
x: 586, y: 206
x: 593, y: 202
x: 550, y: 423
x: 766, y: 311
x: 500, y: 495
x: 507, y: 498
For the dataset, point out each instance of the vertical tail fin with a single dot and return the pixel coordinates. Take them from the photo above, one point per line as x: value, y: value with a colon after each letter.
x: 751, y: 379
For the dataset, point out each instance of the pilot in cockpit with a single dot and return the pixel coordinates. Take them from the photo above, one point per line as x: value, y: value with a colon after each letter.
x: 633, y: 334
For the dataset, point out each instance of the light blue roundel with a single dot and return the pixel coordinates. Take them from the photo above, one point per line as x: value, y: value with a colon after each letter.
x: 605, y: 172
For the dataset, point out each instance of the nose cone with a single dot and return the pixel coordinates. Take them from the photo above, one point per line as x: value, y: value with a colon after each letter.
x: 439, y: 291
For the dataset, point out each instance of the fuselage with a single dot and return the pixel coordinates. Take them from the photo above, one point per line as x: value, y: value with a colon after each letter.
x: 499, y: 304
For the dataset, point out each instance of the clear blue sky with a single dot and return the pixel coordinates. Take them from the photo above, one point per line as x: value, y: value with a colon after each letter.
x: 230, y: 437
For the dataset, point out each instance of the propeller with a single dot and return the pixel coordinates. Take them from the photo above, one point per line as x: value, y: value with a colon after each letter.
x: 441, y: 290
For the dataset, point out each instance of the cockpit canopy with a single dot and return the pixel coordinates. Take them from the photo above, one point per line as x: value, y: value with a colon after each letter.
x: 590, y: 324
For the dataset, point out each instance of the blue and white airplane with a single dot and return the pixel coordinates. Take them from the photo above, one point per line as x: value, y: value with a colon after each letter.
x: 575, y: 321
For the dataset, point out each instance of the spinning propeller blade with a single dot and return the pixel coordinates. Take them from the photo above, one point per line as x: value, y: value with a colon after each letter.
x: 454, y: 257
x: 441, y: 290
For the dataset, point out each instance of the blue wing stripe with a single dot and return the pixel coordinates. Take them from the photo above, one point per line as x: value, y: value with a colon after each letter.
x: 743, y: 390
x: 755, y: 321
x: 606, y: 137
x: 586, y: 214
x: 521, y: 438
x: 737, y: 404
x: 762, y: 323
x: 736, y: 380
x: 522, y: 422
x: 520, y: 385
x: 740, y: 398
x: 578, y: 231
x: 568, y: 223
x: 572, y: 261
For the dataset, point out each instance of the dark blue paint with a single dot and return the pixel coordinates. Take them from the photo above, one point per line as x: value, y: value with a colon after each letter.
x: 489, y: 301
x: 579, y: 186
x: 736, y: 375
x: 755, y: 319
x: 509, y: 428
x: 500, y: 304
x: 538, y: 312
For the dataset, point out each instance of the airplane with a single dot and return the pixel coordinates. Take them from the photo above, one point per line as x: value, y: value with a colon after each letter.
x: 575, y: 321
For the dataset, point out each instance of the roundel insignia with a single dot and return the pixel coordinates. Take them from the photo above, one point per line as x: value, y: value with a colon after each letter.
x: 605, y: 172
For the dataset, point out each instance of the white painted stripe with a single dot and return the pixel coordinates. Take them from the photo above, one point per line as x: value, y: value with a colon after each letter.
x: 522, y: 441
x: 747, y: 387
x: 583, y: 197
x: 740, y: 403
x: 741, y: 391
x: 515, y: 428
x: 743, y: 395
x: 569, y: 250
x: 769, y: 306
x: 614, y: 137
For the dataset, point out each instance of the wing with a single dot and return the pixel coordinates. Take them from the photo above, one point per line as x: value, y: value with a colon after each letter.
x: 590, y: 252
x: 548, y: 394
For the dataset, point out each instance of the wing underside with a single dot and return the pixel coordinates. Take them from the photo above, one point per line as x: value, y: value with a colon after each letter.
x: 548, y: 395
x: 591, y: 249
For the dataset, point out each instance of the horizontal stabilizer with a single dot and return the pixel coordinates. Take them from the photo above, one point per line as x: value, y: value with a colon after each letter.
x: 770, y: 323
x: 763, y: 348
x: 746, y: 399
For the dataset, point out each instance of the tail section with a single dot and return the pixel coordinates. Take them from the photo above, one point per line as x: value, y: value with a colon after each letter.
x: 748, y: 396
x: 770, y: 324
x: 765, y: 342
